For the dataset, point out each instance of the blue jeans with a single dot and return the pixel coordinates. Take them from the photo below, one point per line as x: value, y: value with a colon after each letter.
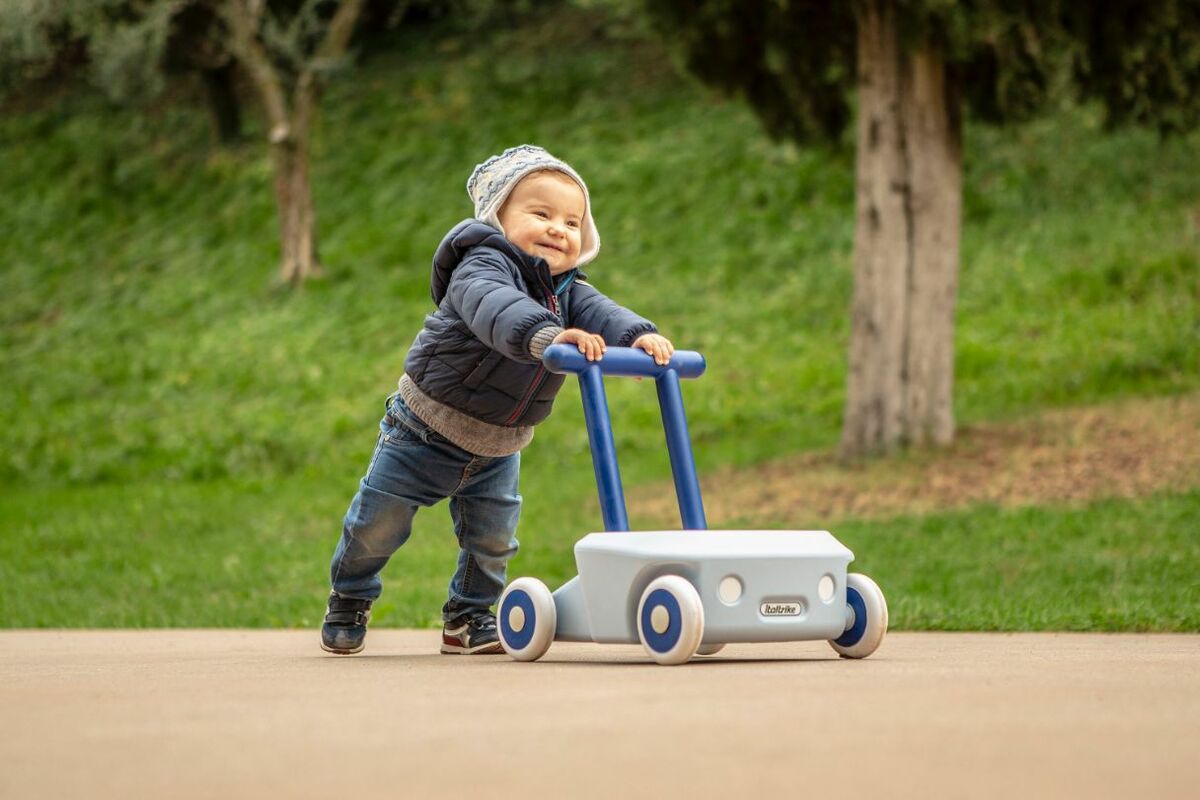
x: 414, y: 466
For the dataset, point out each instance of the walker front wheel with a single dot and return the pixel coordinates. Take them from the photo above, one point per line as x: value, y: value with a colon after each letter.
x: 866, y: 618
x: 527, y: 619
x: 670, y: 620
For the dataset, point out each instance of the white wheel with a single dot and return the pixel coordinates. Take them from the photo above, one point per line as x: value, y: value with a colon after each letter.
x: 866, y: 618
x: 526, y: 619
x: 709, y: 649
x: 670, y: 619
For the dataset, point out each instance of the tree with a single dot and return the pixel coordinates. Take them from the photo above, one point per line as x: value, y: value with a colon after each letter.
x: 914, y: 65
x: 286, y: 47
x: 286, y: 63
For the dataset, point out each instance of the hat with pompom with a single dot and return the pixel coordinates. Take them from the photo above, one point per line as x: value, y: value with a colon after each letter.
x: 492, y: 182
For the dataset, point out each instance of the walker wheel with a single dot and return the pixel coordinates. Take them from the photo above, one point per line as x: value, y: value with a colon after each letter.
x: 670, y: 619
x: 527, y: 619
x: 866, y: 618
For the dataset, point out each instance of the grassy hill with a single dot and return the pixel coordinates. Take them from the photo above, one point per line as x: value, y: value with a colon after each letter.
x: 181, y: 437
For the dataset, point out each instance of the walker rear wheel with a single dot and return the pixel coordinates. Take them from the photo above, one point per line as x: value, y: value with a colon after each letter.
x: 866, y: 618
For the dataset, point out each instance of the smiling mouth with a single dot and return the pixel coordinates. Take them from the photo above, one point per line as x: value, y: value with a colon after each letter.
x: 553, y: 247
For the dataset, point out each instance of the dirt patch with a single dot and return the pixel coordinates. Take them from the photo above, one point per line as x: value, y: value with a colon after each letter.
x: 1127, y: 449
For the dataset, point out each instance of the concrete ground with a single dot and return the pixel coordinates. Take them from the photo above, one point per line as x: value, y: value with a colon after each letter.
x: 230, y: 714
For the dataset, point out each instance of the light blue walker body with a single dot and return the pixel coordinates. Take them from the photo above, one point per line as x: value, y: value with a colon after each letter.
x: 691, y: 591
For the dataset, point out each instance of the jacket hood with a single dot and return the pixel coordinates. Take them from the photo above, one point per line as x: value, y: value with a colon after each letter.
x: 464, y: 237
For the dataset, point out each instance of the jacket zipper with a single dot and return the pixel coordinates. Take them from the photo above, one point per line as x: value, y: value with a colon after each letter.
x: 533, y: 387
x: 538, y: 376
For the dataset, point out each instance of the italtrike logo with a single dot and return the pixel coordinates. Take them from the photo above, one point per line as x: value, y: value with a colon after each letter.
x: 781, y: 609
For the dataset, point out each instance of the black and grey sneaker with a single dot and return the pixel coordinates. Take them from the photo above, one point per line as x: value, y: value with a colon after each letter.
x: 345, y: 627
x: 471, y: 635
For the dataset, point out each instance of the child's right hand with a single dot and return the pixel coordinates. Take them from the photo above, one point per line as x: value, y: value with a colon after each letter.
x: 590, y: 344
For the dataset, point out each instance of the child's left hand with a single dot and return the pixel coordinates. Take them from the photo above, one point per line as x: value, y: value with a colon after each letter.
x: 658, y: 346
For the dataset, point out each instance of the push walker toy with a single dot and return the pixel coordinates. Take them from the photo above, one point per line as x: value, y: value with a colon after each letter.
x: 687, y: 592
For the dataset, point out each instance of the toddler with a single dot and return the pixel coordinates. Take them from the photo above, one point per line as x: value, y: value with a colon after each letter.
x: 507, y: 284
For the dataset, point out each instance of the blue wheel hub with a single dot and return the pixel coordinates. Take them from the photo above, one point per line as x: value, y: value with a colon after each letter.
x: 852, y: 636
x: 661, y: 642
x: 518, y: 640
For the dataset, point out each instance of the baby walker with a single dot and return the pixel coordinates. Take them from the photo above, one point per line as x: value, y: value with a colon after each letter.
x: 687, y: 592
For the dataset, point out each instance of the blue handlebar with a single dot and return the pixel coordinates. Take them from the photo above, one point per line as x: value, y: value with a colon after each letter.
x: 627, y: 362
x: 633, y: 363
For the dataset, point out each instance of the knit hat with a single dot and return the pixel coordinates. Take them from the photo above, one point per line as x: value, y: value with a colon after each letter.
x: 493, y: 181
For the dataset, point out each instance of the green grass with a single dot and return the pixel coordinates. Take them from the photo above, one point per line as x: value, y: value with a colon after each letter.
x: 1112, y: 565
x: 180, y: 438
x: 224, y: 554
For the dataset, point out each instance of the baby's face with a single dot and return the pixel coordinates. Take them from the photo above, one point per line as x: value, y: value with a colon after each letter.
x: 544, y: 217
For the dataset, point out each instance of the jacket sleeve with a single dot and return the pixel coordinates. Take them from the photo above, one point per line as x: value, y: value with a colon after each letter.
x: 596, y: 313
x: 484, y: 294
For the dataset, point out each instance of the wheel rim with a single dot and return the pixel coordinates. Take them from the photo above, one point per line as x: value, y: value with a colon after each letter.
x: 855, y: 634
x: 661, y: 642
x: 518, y: 640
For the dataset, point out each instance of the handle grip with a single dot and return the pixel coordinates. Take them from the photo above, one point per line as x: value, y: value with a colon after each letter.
x: 626, y: 362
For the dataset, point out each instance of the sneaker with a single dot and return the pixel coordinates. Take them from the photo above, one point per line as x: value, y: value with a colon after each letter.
x: 345, y: 627
x: 471, y: 635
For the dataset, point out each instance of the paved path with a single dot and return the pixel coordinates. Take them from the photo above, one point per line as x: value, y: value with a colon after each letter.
x: 229, y: 714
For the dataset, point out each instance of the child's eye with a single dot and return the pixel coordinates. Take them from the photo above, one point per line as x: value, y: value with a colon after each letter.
x: 541, y: 215
x: 572, y: 224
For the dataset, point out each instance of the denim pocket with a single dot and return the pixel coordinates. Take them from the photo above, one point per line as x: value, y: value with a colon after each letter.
x: 396, y: 433
x: 401, y: 426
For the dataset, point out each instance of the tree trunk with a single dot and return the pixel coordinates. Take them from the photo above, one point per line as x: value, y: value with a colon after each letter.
x: 290, y: 120
x: 224, y: 112
x: 293, y: 189
x: 909, y: 189
x: 935, y: 173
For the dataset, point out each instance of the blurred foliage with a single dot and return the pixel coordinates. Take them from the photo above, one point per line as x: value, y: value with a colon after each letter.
x: 994, y: 54
x: 135, y: 293
x: 37, y: 39
x: 124, y: 42
x: 749, y: 49
x: 794, y: 61
x: 175, y: 427
x: 1142, y: 60
x: 131, y: 49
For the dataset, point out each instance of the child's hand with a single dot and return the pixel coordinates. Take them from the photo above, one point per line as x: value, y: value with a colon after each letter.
x: 658, y: 346
x: 591, y: 345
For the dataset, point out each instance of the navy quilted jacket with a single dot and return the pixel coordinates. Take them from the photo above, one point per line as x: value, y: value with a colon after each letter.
x: 473, y: 353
